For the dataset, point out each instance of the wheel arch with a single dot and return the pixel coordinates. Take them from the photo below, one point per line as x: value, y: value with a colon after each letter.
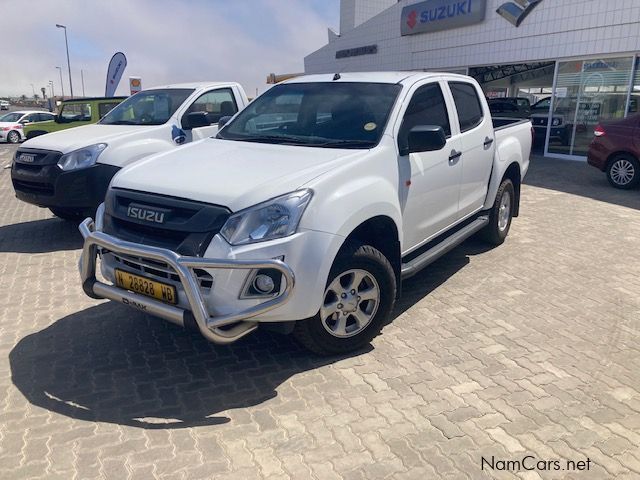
x: 513, y: 173
x: 382, y: 233
x: 613, y: 155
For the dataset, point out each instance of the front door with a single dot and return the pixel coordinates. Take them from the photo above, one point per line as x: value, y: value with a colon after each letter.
x: 429, y: 181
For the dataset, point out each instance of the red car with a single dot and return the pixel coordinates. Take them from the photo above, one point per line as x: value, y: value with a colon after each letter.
x: 615, y: 149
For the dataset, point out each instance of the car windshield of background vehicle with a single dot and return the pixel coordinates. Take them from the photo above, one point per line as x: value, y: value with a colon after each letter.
x: 151, y: 107
x: 334, y: 115
x: 76, y: 112
x: 11, y: 117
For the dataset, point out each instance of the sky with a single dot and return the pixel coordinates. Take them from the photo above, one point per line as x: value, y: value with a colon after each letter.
x: 165, y: 41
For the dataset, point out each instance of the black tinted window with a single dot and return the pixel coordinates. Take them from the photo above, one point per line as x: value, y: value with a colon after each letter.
x: 427, y: 107
x: 44, y: 117
x: 468, y: 105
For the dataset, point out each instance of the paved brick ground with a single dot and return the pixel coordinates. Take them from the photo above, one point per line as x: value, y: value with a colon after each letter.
x: 528, y: 349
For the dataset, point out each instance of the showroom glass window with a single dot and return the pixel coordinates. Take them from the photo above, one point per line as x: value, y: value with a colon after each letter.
x: 587, y: 92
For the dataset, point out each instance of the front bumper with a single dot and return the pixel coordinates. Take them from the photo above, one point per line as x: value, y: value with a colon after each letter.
x: 46, y: 185
x: 225, y: 328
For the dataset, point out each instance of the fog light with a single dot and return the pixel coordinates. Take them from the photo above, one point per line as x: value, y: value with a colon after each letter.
x: 263, y: 283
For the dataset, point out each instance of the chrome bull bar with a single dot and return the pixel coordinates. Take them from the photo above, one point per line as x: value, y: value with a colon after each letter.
x: 209, y: 326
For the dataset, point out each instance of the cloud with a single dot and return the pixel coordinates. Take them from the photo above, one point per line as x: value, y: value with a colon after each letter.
x: 166, y: 41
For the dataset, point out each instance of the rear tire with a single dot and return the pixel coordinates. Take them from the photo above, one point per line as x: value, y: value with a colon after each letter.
x: 71, y: 214
x: 500, y: 214
x: 623, y: 171
x: 13, y: 137
x: 357, y: 302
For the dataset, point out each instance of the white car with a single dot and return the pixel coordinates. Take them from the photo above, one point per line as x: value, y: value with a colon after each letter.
x: 11, y: 123
x: 4, y: 105
x: 310, y: 207
x: 69, y: 171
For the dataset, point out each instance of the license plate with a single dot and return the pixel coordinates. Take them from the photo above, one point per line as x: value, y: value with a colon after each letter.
x: 145, y: 286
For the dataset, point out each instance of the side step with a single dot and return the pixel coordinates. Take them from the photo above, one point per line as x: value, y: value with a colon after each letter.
x: 414, y: 266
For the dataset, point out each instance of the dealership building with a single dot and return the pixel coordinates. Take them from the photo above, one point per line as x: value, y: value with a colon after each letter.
x: 578, y: 58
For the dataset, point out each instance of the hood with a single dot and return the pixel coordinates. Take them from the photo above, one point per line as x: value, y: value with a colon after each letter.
x: 233, y: 174
x: 71, y: 139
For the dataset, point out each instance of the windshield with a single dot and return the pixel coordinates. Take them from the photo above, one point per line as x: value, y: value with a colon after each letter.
x: 338, y: 115
x: 150, y: 107
x: 11, y: 117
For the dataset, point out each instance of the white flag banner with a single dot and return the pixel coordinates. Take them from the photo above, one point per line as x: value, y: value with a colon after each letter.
x: 114, y: 73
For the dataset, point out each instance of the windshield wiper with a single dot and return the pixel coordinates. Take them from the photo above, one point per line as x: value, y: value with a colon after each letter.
x: 121, y: 122
x: 344, y: 143
x: 272, y: 139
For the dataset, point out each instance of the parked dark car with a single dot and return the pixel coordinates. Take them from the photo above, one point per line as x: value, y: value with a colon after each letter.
x: 615, y: 150
x: 513, y: 107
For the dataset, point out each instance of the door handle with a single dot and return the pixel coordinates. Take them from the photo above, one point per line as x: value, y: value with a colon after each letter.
x: 454, y: 156
x: 488, y: 141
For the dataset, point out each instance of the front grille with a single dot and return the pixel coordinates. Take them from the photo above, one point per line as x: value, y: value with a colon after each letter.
x: 159, y: 270
x: 185, y: 226
x: 40, y: 157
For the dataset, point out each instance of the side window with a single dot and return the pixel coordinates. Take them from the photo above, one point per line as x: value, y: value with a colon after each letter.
x: 427, y: 107
x: 76, y: 112
x: 216, y: 104
x: 468, y: 105
x: 34, y: 117
x: 104, y: 108
x: 44, y: 117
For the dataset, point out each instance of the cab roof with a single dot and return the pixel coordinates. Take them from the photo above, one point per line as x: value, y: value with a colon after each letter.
x: 372, y: 77
x: 195, y: 85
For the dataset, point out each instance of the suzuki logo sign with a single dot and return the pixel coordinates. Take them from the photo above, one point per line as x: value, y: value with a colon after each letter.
x: 437, y: 15
x: 515, y: 12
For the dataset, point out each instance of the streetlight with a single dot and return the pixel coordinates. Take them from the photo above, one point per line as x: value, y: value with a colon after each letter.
x: 51, y: 86
x: 82, y: 77
x: 68, y: 63
x: 61, y: 83
x: 33, y: 90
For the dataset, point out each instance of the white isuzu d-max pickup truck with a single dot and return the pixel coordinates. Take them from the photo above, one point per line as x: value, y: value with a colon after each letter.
x: 309, y: 208
x: 69, y: 171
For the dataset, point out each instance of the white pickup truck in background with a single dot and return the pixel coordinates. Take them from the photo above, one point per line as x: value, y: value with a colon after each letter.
x: 310, y: 207
x: 69, y: 171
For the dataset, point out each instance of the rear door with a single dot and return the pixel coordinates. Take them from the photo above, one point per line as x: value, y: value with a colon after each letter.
x: 478, y: 144
x: 430, y: 181
x: 215, y: 104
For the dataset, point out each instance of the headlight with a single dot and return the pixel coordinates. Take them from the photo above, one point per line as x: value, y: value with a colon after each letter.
x: 555, y: 122
x: 81, y: 158
x: 275, y: 218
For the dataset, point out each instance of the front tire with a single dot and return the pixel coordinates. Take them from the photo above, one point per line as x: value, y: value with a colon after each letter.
x: 623, y: 172
x: 500, y: 214
x: 13, y: 137
x: 357, y: 302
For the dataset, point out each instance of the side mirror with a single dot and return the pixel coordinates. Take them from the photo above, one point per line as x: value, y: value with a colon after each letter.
x: 422, y: 138
x: 195, y: 120
x: 223, y: 121
x: 24, y: 122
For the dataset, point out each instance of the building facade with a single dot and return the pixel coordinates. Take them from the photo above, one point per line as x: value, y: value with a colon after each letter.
x: 578, y: 58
